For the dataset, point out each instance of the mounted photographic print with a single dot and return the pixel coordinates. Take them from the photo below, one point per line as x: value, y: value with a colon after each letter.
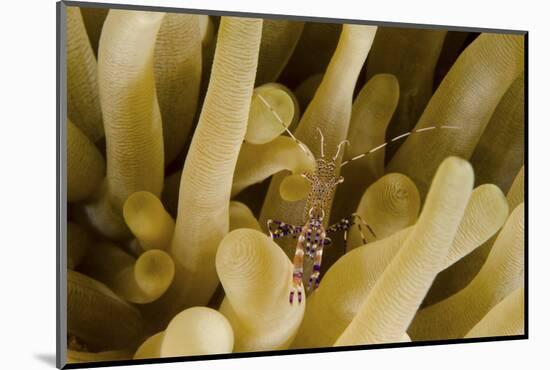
x: 235, y: 184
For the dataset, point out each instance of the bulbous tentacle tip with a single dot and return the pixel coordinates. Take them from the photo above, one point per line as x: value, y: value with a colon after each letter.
x: 457, y: 162
x: 197, y: 331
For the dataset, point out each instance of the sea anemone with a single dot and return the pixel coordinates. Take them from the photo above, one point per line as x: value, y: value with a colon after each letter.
x: 186, y: 133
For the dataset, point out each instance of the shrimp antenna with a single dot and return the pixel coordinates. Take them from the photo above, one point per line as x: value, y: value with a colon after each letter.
x: 322, y: 142
x: 402, y: 136
x: 280, y: 120
x: 340, y: 147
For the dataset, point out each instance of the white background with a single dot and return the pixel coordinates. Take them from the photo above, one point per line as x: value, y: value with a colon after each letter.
x: 27, y: 195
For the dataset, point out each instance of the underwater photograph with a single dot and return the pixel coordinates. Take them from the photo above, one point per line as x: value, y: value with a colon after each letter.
x: 238, y: 184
